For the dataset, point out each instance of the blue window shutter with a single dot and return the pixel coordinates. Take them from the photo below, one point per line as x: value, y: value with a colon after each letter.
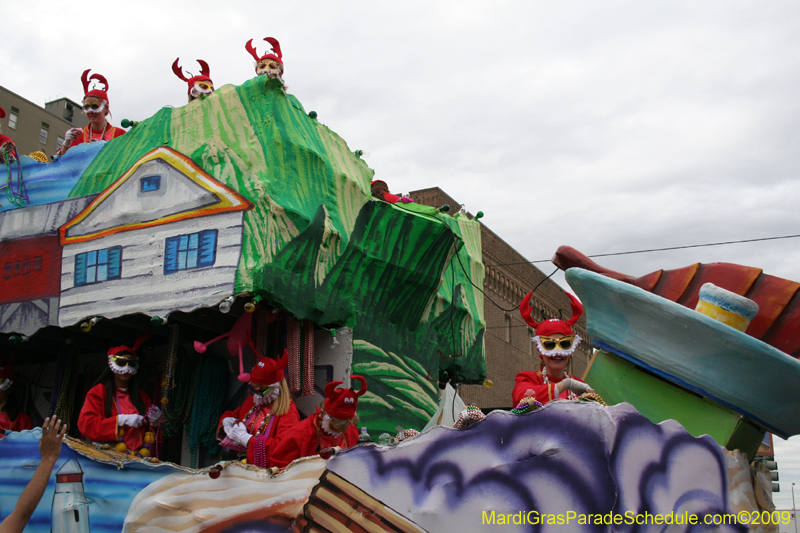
x: 114, y: 262
x: 208, y: 248
x: 80, y: 269
x: 171, y: 255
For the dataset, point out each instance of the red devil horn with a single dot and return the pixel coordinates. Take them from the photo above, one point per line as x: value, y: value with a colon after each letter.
x: 577, y: 309
x: 283, y: 360
x: 330, y: 387
x: 276, y: 47
x: 204, y: 70
x: 141, y: 339
x: 249, y: 48
x: 525, y: 311
x: 101, y: 79
x: 85, y: 80
x: 177, y: 69
x: 363, y: 385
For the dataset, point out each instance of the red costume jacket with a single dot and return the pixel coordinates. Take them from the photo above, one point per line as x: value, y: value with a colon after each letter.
x: 111, y: 133
x: 23, y: 421
x: 543, y: 392
x: 279, y: 427
x: 94, y: 425
x: 307, y: 438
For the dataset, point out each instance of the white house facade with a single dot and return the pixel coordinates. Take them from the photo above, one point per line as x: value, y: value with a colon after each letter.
x: 164, y: 236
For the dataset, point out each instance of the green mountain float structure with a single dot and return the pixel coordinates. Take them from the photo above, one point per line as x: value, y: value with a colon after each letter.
x: 404, y: 277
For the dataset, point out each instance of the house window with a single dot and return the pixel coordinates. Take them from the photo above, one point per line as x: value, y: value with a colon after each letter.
x: 196, y: 250
x: 150, y: 183
x: 13, y: 117
x: 43, y: 131
x: 98, y: 266
x: 22, y: 267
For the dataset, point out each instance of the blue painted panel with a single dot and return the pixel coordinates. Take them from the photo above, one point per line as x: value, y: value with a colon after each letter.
x: 731, y: 367
x: 150, y: 183
x: 50, y: 182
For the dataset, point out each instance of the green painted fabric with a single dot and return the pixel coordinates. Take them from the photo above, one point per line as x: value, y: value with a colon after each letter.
x: 318, y: 245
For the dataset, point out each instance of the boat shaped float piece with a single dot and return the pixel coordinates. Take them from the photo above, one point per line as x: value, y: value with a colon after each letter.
x: 692, y: 350
x: 778, y: 319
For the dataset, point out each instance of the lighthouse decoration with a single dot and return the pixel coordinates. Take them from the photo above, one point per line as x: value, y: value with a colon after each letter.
x: 70, y: 511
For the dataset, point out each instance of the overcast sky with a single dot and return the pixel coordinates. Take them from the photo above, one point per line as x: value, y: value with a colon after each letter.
x: 608, y: 126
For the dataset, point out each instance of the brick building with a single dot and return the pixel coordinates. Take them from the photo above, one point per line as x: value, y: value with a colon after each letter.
x: 509, y: 277
x: 35, y: 128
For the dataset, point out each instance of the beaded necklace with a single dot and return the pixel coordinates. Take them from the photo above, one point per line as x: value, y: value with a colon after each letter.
x: 20, y: 196
x: 119, y: 432
x: 570, y: 395
x: 65, y: 386
x: 254, y: 413
x: 90, y: 131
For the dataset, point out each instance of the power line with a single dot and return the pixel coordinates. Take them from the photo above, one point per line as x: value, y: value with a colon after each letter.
x: 660, y: 249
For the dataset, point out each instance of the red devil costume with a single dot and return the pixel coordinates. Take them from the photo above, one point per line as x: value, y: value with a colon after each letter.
x: 380, y: 190
x: 199, y: 86
x: 315, y: 432
x: 95, y: 105
x: 10, y: 417
x: 258, y: 423
x: 270, y: 64
x: 555, y: 340
x: 110, y: 414
x: 3, y: 138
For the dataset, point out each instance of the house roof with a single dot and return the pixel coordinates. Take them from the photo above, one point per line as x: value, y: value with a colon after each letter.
x: 189, y: 192
x: 42, y: 219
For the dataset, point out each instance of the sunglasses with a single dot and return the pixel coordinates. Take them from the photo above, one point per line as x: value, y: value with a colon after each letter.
x: 92, y: 107
x: 133, y: 363
x: 564, y: 343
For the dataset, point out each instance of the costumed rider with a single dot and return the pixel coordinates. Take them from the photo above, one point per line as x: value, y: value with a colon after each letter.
x: 332, y: 426
x: 6, y: 144
x: 201, y: 85
x: 380, y: 190
x: 11, y: 417
x: 96, y: 108
x: 556, y: 343
x: 116, y: 411
x: 270, y: 64
x: 264, y: 416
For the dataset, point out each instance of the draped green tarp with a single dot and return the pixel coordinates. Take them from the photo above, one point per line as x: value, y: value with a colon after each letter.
x: 318, y: 245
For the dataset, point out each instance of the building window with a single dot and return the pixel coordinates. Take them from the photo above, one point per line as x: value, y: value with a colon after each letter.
x: 98, y: 266
x: 13, y: 117
x: 507, y: 328
x: 531, y: 343
x: 59, y: 141
x: 22, y: 267
x: 43, y: 131
x: 185, y: 252
x: 150, y: 183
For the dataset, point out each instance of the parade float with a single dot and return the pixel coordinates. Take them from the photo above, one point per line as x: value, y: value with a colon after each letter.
x: 240, y: 216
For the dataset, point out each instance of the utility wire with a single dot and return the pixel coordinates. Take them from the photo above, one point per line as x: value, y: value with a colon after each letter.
x: 660, y: 249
